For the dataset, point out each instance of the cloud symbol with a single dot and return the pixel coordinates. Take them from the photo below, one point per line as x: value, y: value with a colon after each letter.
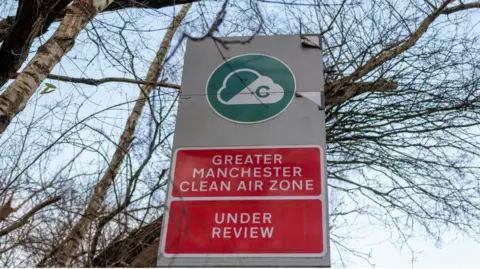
x: 261, y: 91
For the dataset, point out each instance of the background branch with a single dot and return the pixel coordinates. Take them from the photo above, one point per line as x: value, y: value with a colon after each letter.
x: 96, y: 82
x: 24, y: 219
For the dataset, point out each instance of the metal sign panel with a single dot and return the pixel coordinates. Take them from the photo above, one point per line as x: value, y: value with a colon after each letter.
x: 247, y: 184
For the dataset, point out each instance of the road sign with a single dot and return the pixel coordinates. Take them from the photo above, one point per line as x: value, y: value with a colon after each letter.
x: 247, y: 184
x: 240, y: 171
x: 247, y: 228
x: 246, y: 201
x: 250, y: 88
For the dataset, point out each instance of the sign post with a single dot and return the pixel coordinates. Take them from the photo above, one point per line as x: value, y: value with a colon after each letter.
x: 247, y: 184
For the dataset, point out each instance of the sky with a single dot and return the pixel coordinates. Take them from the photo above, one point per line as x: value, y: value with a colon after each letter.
x: 455, y: 251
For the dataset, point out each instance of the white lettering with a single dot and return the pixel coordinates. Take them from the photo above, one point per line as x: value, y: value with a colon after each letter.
x: 241, y: 186
x: 267, y: 159
x: 267, y: 171
x: 204, y: 186
x: 225, y: 185
x: 254, y: 232
x: 276, y: 170
x: 248, y: 160
x: 195, y: 172
x: 273, y: 185
x: 256, y: 172
x: 267, y: 218
x: 309, y: 185
x: 256, y: 218
x: 181, y: 186
x: 228, y: 159
x: 238, y: 232
x: 258, y: 185
x: 297, y: 171
x: 232, y: 218
x: 286, y: 171
x: 216, y: 232
x: 246, y: 171
x: 242, y: 232
x: 226, y: 232
x: 231, y: 172
x: 291, y: 185
x: 267, y: 232
x: 217, y: 160
x: 213, y: 187
x: 219, y: 221
x: 238, y: 159
x: 297, y: 184
x: 277, y: 158
x: 284, y: 185
x: 246, y: 231
x: 222, y: 173
x: 244, y: 218
x: 210, y: 173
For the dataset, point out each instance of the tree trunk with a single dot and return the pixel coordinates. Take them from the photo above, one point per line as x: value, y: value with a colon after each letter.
x: 62, y: 257
x: 17, y: 33
x: 15, y: 97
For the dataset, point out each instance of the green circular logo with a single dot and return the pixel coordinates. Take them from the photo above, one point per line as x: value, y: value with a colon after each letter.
x: 250, y: 88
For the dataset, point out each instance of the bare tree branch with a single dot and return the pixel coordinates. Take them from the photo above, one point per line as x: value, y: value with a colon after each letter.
x: 461, y: 7
x: 96, y: 82
x: 350, y: 90
x: 24, y: 219
x: 394, y: 52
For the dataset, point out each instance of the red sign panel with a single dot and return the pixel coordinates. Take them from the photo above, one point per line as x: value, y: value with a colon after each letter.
x: 247, y: 172
x: 249, y: 202
x: 245, y: 227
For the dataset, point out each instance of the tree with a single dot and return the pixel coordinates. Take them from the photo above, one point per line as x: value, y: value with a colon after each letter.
x: 402, y: 116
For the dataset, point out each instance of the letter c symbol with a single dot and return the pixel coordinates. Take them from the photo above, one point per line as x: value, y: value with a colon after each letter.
x: 262, y: 94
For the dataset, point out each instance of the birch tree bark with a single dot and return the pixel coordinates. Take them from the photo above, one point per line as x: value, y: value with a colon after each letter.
x: 34, y: 18
x: 17, y: 33
x: 15, y: 97
x: 63, y: 255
